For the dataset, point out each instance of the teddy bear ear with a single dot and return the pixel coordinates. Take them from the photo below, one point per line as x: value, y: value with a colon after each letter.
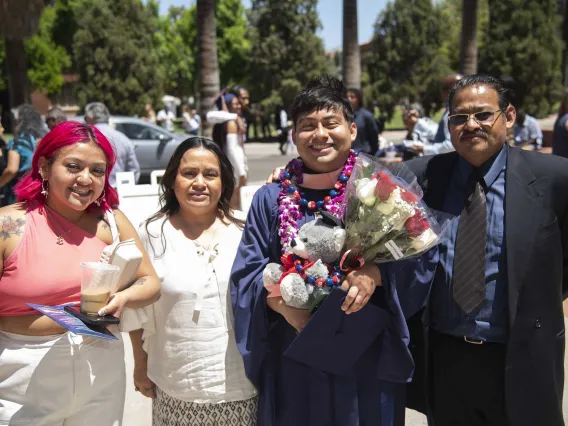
x: 330, y: 219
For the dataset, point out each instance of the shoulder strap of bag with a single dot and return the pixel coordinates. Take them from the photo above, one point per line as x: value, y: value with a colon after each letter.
x: 113, y: 228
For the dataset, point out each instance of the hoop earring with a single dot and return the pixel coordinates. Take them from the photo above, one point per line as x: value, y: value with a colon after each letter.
x: 101, y: 199
x: 44, y: 188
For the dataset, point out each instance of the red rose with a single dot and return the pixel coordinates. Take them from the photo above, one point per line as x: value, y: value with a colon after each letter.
x: 384, y: 186
x: 408, y: 197
x: 416, y: 225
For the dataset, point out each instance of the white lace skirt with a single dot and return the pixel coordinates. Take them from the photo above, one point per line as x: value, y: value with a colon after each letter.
x: 169, y: 411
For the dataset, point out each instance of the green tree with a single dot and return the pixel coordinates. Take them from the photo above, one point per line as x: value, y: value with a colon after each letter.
x: 176, y: 44
x: 176, y: 50
x: 46, y: 59
x: 233, y: 45
x: 65, y: 23
x: 408, y: 58
x: 525, y: 43
x: 114, y: 55
x: 286, y: 52
x: 452, y: 13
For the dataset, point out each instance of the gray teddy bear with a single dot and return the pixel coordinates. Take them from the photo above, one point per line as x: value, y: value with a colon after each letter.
x: 320, y: 241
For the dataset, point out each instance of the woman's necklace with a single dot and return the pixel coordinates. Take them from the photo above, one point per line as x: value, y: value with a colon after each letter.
x: 290, y: 199
x: 60, y: 240
x: 212, y: 242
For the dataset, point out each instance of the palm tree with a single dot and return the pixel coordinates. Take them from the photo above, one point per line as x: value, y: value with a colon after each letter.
x: 565, y: 36
x: 208, y: 63
x: 351, y: 55
x: 468, y: 60
x: 19, y: 20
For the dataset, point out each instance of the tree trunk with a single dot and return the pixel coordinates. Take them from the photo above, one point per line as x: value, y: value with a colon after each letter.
x: 208, y: 63
x: 468, y: 60
x: 565, y: 37
x: 351, y: 54
x: 17, y: 66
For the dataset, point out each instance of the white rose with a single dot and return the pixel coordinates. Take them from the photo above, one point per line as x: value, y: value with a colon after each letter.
x: 385, y: 208
x: 365, y: 191
x: 423, y: 240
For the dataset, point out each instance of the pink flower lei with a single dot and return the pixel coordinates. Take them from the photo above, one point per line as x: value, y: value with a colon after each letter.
x: 290, y: 200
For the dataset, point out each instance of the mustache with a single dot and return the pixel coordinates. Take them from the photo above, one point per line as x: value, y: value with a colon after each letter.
x: 478, y: 132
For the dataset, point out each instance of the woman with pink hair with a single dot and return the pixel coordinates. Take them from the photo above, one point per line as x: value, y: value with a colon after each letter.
x: 65, y: 216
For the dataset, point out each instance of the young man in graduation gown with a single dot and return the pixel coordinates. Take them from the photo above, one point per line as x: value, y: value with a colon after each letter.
x: 367, y: 391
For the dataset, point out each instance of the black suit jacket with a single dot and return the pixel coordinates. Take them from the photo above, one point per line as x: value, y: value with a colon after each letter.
x: 536, y: 238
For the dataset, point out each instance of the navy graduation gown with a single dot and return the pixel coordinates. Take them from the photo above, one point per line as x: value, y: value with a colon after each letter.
x: 293, y: 394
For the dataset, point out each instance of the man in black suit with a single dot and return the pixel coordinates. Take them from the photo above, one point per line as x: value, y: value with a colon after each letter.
x: 489, y: 347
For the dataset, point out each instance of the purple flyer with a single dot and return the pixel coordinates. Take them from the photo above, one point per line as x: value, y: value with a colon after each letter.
x: 71, y: 323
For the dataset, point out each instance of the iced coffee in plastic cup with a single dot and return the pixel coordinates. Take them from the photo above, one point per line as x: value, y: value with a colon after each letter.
x: 97, y: 281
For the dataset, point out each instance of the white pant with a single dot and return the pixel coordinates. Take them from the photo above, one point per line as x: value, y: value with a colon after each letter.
x: 65, y: 380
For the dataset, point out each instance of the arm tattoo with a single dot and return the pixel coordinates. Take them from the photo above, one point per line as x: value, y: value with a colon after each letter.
x: 11, y: 227
x: 141, y: 281
x: 104, y: 224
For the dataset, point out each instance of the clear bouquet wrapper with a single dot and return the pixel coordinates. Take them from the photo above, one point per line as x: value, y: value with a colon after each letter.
x: 385, y: 217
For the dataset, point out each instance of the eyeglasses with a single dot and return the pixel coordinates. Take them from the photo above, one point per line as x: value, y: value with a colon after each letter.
x: 482, y: 118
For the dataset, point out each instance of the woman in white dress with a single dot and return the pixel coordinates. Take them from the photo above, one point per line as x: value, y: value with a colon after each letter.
x: 185, y: 355
x: 229, y: 136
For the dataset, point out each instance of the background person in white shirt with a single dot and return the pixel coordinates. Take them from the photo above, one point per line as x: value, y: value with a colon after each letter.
x: 191, y: 120
x: 421, y: 131
x: 166, y: 118
x: 185, y: 356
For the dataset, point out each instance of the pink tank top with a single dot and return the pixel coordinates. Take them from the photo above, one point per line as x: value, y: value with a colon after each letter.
x: 41, y: 271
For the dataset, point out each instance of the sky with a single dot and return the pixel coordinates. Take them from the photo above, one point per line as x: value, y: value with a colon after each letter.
x: 330, y: 13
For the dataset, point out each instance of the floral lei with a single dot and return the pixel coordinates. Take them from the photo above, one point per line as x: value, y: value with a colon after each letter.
x: 291, y: 201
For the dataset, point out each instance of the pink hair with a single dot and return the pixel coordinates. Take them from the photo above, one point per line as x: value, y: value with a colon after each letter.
x: 66, y: 134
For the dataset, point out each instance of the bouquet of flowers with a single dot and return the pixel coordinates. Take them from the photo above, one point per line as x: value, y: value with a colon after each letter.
x: 385, y: 218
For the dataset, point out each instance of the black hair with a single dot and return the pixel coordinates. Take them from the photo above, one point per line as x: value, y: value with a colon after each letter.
x: 168, y: 201
x: 358, y: 94
x: 512, y: 87
x: 478, y: 79
x: 219, y: 133
x: 236, y: 90
x: 325, y: 92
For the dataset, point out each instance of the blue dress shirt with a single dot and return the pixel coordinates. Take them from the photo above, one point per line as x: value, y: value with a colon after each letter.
x: 489, y: 321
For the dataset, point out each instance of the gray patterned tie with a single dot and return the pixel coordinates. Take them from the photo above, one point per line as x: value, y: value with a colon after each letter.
x: 469, y: 259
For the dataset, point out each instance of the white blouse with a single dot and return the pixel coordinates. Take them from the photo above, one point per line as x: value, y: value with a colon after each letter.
x: 192, y: 353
